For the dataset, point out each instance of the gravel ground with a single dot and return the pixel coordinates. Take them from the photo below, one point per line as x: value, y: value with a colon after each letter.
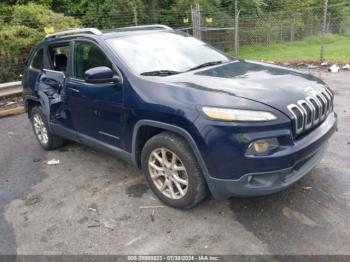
x: 92, y: 203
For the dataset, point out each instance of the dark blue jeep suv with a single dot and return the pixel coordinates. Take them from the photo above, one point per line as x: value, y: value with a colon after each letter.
x: 194, y: 119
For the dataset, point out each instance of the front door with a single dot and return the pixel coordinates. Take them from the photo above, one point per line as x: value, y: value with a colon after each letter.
x: 97, y: 109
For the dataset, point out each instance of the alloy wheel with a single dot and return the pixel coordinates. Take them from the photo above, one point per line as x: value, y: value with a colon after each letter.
x: 168, y: 173
x: 40, y: 129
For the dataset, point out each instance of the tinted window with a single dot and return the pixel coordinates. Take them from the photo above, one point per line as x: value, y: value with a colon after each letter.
x: 87, y: 56
x: 38, y: 60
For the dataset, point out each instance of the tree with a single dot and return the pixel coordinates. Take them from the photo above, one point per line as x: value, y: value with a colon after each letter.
x: 23, y: 29
x: 249, y: 7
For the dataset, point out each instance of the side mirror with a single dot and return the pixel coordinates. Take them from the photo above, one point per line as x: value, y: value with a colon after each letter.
x: 99, y: 75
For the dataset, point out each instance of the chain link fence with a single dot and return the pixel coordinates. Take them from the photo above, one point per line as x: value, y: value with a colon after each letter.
x: 227, y: 30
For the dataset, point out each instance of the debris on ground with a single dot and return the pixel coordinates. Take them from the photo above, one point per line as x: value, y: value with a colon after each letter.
x: 94, y: 223
x: 346, y: 67
x: 148, y: 207
x: 133, y: 240
x: 334, y: 69
x: 312, y: 66
x: 93, y: 207
x: 53, y: 162
x: 307, y: 187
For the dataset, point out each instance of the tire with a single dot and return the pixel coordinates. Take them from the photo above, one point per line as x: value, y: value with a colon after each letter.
x: 46, y: 139
x: 163, y: 171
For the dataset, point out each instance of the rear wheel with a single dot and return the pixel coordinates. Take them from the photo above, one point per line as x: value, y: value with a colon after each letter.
x: 42, y: 133
x: 172, y: 171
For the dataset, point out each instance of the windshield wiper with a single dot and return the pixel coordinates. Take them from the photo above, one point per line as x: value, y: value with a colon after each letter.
x: 172, y: 72
x: 160, y: 73
x: 205, y: 65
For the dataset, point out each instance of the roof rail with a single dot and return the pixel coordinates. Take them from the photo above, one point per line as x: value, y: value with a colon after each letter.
x: 143, y: 27
x: 94, y: 31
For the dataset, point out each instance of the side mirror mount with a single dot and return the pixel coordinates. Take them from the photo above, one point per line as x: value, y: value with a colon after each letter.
x: 100, y: 74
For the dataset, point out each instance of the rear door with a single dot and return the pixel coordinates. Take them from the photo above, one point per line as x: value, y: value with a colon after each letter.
x: 58, y: 57
x: 98, y: 110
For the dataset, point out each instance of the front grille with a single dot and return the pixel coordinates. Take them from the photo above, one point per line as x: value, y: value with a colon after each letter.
x: 311, y: 111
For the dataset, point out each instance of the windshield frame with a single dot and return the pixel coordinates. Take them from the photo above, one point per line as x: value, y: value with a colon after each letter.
x: 132, y: 70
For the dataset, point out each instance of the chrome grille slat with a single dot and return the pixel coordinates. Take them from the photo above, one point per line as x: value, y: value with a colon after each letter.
x: 332, y: 97
x: 316, y: 105
x: 324, y: 104
x: 307, y: 115
x: 298, y: 127
x: 329, y: 100
x: 311, y: 111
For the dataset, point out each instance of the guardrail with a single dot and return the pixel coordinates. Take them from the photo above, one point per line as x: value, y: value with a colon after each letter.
x: 9, y: 89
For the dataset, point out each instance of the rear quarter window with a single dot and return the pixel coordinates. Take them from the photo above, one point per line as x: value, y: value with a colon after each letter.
x: 38, y: 60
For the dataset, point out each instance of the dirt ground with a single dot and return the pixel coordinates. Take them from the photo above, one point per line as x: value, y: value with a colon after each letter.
x: 93, y: 203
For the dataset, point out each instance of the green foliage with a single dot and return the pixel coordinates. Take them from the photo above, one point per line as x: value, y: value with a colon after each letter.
x: 15, y: 42
x: 250, y: 7
x: 336, y: 50
x: 22, y: 22
x: 23, y: 29
x: 38, y: 17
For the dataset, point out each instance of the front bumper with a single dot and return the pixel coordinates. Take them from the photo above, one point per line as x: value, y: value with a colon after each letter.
x: 264, y: 183
x: 298, y: 160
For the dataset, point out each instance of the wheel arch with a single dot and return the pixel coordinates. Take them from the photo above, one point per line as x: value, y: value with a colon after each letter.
x: 161, y: 127
x: 31, y: 102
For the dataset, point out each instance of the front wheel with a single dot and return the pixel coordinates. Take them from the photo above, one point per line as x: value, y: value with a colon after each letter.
x: 172, y: 171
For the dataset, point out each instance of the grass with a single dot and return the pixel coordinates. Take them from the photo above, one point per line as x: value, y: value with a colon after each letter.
x: 337, y: 49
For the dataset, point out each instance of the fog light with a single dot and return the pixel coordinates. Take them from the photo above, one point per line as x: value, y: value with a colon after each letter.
x: 262, y: 146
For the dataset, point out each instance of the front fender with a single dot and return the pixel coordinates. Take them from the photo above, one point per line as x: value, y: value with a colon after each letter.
x: 178, y: 130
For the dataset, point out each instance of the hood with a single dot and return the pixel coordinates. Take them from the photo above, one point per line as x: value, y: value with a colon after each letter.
x: 271, y: 85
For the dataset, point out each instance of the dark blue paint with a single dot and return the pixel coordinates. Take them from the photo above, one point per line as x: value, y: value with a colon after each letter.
x: 173, y: 102
x: 101, y: 73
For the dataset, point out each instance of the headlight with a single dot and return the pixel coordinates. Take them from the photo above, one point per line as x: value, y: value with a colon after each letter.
x: 227, y: 114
